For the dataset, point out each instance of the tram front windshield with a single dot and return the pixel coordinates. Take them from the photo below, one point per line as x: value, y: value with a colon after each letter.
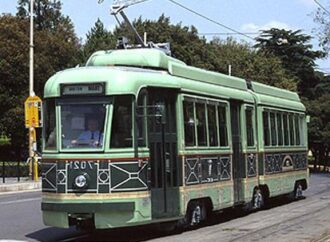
x: 82, y: 126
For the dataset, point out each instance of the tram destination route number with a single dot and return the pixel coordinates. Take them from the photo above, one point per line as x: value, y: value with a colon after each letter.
x: 81, y: 165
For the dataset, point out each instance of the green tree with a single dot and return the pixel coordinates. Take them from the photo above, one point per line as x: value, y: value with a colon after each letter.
x: 13, y: 79
x: 249, y: 64
x: 185, y: 42
x: 98, y: 38
x: 188, y: 46
x: 296, y: 54
x: 319, y: 129
x: 56, y: 44
x: 55, y: 50
x: 47, y: 15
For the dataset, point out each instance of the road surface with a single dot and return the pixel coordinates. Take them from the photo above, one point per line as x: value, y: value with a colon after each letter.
x: 304, y: 220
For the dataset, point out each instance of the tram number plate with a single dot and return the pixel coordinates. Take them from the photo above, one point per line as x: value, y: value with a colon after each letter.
x: 81, y: 165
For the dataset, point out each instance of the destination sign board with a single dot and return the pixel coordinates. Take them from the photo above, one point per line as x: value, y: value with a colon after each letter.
x: 83, y: 89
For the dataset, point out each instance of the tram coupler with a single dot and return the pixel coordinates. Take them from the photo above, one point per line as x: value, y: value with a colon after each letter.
x: 83, y: 221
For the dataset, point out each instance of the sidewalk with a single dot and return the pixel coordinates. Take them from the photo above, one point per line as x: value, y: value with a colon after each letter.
x: 25, y: 184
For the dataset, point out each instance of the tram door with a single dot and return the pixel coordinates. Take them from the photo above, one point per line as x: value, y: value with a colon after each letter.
x: 237, y: 159
x: 163, y: 153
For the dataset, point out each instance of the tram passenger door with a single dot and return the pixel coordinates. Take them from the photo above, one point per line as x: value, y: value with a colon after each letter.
x: 163, y: 153
x: 237, y: 158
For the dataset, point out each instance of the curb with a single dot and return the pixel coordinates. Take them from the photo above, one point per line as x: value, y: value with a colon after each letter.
x: 20, y: 186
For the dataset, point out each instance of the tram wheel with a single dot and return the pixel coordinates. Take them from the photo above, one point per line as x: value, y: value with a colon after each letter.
x: 257, y: 199
x: 298, y: 191
x: 196, y: 214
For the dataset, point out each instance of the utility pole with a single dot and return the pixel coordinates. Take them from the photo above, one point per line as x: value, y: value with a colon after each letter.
x: 32, y: 131
x: 31, y: 49
x: 32, y: 108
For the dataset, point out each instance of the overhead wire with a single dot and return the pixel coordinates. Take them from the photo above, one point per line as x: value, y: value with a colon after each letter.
x: 211, y: 20
x: 321, y: 6
x: 229, y: 33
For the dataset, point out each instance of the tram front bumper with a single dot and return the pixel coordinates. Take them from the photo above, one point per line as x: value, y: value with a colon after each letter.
x: 105, y: 215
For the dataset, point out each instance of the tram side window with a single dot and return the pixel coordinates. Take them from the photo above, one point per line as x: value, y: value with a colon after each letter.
x: 121, y: 134
x: 212, y: 124
x: 291, y: 127
x: 50, y: 125
x: 249, y: 126
x: 302, y: 119
x: 279, y: 129
x: 201, y: 124
x: 266, y: 128
x: 189, y: 123
x: 222, y: 113
x: 141, y: 120
x: 286, y: 129
x: 297, y: 129
x: 273, y: 128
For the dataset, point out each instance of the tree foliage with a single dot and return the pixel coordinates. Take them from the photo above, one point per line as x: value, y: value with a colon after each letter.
x: 298, y: 59
x: 288, y: 65
x: 56, y: 48
x: 13, y: 80
x: 98, y: 38
x: 296, y: 54
x: 250, y: 64
x: 47, y: 15
x: 188, y: 46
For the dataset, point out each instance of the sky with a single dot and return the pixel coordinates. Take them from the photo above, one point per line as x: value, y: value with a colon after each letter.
x: 248, y: 16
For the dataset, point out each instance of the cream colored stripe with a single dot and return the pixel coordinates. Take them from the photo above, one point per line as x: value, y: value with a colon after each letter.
x: 206, y: 186
x: 284, y: 174
x: 94, y: 196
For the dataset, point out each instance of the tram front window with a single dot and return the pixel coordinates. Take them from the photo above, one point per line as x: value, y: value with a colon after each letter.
x: 82, y: 126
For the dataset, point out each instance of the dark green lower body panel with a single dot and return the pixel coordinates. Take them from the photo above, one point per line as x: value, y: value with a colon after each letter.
x: 104, y: 214
x: 165, y: 205
x: 88, y: 207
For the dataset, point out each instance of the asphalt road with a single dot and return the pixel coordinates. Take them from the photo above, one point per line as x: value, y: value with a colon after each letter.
x: 303, y: 220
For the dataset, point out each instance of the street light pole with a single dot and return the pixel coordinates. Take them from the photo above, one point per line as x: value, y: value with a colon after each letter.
x: 31, y: 49
x: 33, y: 170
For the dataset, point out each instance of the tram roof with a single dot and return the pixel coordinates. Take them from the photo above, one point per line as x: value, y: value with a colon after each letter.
x: 127, y: 71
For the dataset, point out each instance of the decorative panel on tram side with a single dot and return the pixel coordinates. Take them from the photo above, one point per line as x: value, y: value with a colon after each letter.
x: 104, y: 176
x: 284, y: 160
x: 207, y: 169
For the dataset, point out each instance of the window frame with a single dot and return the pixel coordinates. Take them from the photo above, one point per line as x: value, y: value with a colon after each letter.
x: 215, y: 107
x: 286, y: 136
x: 206, y: 101
x: 144, y: 95
x: 56, y: 129
x: 245, y: 132
x: 133, y: 128
x: 108, y: 101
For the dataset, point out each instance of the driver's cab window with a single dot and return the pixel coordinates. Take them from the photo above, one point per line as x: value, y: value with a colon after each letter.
x: 121, y: 128
x: 82, y: 126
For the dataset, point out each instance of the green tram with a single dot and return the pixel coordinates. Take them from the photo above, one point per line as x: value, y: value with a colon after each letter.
x: 171, y: 142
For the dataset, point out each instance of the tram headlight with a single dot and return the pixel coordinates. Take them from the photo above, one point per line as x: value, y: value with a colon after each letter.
x: 80, y: 181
